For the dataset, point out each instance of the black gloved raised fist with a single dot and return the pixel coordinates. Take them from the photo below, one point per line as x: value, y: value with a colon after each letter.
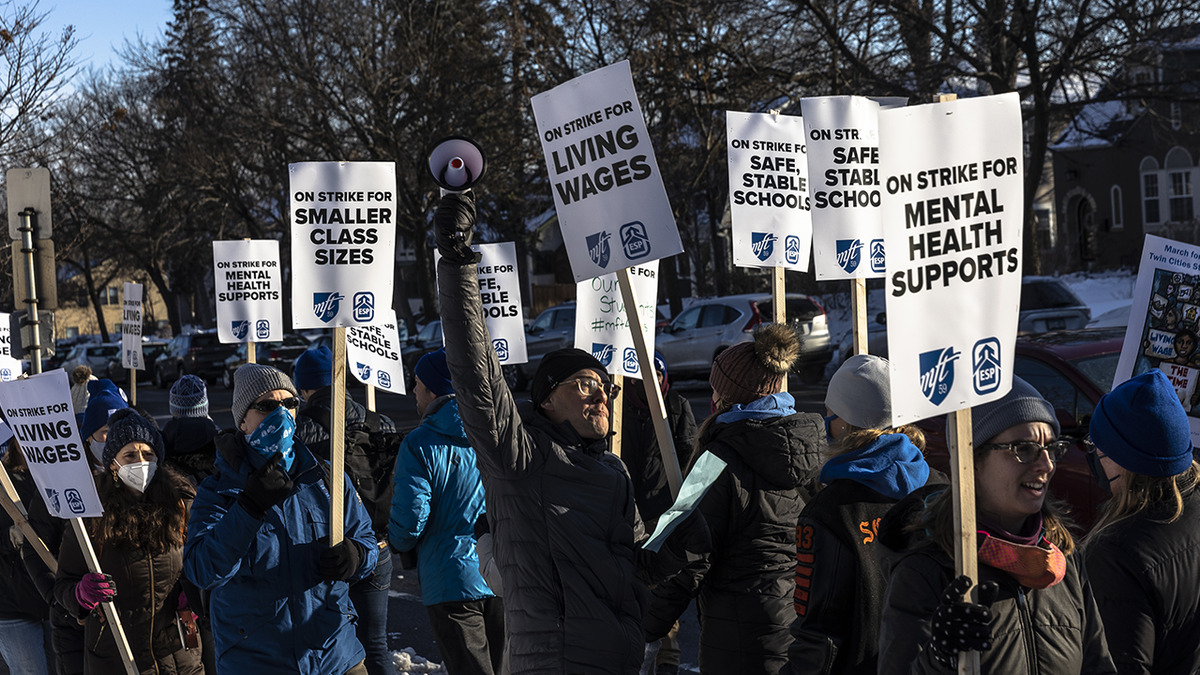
x: 454, y: 227
x: 337, y: 563
x: 265, y: 487
x: 962, y: 626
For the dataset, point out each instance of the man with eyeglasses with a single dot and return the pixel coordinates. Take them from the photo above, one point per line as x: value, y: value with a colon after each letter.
x: 565, y: 528
x: 258, y: 538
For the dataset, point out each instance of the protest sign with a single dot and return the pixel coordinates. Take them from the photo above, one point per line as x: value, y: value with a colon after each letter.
x: 602, y: 324
x: 608, y: 192
x: 373, y: 353
x: 343, y: 242
x: 1164, y: 322
x: 10, y: 368
x: 131, y: 328
x: 953, y: 195
x: 249, y: 289
x: 500, y: 291
x: 768, y: 191
x: 39, y: 412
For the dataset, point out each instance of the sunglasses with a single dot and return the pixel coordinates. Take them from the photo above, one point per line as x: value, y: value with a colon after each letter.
x: 1027, y: 452
x: 268, y: 406
x: 588, y: 387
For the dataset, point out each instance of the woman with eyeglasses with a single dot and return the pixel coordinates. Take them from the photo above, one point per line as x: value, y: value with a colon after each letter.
x: 1144, y: 554
x: 1034, y: 611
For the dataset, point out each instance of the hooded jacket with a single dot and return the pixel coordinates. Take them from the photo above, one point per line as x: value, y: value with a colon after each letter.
x: 641, y: 454
x: 271, y: 610
x: 745, y: 586
x: 438, y: 497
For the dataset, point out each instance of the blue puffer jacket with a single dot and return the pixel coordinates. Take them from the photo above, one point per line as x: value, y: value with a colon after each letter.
x: 271, y: 611
x: 437, y: 499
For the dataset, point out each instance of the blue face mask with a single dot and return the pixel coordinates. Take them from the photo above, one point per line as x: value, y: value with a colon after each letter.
x: 276, y: 433
x: 828, y: 429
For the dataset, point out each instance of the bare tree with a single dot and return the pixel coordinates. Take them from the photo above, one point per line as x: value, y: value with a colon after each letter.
x: 35, y: 66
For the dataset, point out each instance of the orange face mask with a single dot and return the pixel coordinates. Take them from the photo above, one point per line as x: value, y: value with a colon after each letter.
x: 1039, y: 566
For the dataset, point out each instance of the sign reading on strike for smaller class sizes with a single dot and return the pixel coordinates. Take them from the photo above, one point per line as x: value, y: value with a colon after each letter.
x: 768, y: 190
x: 500, y: 292
x: 343, y: 242
x: 39, y: 412
x: 952, y: 206
x: 612, y: 207
x: 602, y: 324
x: 373, y: 353
x: 131, y: 328
x: 249, y: 291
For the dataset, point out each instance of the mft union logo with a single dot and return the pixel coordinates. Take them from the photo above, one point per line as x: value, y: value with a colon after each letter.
x: 364, y: 306
x: 849, y: 254
x: 629, y: 362
x: 385, y: 380
x: 762, y: 244
x: 985, y: 364
x: 937, y: 373
x: 74, y: 500
x: 501, y: 347
x: 262, y: 329
x: 598, y: 249
x: 603, y: 353
x: 635, y: 240
x: 326, y: 305
x: 878, y: 259
x: 52, y: 496
x: 364, y: 371
x: 791, y: 249
x: 240, y: 329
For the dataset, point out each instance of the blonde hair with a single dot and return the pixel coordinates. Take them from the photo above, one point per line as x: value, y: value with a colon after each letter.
x: 1163, y: 495
x: 856, y: 438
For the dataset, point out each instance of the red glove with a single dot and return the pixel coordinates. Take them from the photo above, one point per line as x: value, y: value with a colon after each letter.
x: 94, y: 589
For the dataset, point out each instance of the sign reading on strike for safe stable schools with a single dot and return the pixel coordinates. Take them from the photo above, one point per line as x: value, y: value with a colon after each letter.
x: 39, y: 412
x: 343, y: 242
x: 952, y: 210
x: 373, y: 353
x: 131, y: 328
x: 500, y: 292
x: 768, y: 190
x: 602, y: 324
x: 249, y: 291
x: 608, y: 192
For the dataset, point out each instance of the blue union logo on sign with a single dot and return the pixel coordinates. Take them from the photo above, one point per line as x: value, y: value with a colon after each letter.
x: 603, y: 353
x: 762, y: 244
x: 878, y: 259
x: 364, y: 371
x: 326, y: 305
x: 985, y: 365
x: 241, y: 329
x: 849, y: 254
x: 598, y: 249
x: 635, y: 240
x: 262, y: 329
x: 937, y: 374
x: 501, y: 347
x: 791, y: 249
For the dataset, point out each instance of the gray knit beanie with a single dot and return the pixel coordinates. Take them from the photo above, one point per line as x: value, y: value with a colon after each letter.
x: 1020, y: 405
x: 253, y: 380
x: 860, y: 392
x: 189, y: 397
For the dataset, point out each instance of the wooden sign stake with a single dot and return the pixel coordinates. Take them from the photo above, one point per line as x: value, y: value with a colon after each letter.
x: 337, y: 439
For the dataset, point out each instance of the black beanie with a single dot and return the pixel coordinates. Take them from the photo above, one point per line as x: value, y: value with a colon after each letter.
x: 559, y: 365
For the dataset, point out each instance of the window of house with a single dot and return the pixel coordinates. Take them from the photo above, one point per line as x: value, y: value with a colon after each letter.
x: 1181, y: 196
x: 1118, y: 221
x: 110, y: 296
x: 1149, y: 171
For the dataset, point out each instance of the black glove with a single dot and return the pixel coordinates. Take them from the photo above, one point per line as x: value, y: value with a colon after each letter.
x: 265, y: 487
x: 962, y: 626
x: 454, y: 227
x: 339, y: 562
x: 690, y: 536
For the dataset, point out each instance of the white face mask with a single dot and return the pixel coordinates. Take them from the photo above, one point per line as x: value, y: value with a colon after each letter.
x: 97, y: 448
x: 137, y: 475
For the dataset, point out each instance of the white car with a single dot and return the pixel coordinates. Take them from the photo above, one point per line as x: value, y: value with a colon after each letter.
x: 95, y: 356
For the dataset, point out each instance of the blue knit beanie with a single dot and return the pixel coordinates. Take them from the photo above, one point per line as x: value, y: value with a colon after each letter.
x: 189, y: 397
x: 127, y: 426
x: 105, y: 399
x: 433, y: 372
x: 314, y: 369
x: 1141, y: 425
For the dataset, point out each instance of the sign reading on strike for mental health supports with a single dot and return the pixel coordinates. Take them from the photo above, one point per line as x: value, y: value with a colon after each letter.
x: 249, y: 291
x: 39, y: 412
x: 1164, y: 322
x: 500, y: 291
x: 131, y: 328
x: 602, y: 324
x: 952, y: 208
x: 10, y: 368
x: 373, y: 353
x: 343, y: 242
x: 608, y: 192
x: 768, y: 190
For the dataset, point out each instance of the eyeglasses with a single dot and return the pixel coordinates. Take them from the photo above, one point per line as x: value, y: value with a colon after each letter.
x: 588, y: 387
x: 1027, y: 451
x: 268, y: 406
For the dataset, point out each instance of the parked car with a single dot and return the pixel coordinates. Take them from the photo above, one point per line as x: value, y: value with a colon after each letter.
x: 1050, y: 304
x: 95, y: 356
x: 200, y: 354
x: 1072, y: 370
x: 281, y: 354
x: 553, y: 329
x: 151, y: 350
x: 701, y: 332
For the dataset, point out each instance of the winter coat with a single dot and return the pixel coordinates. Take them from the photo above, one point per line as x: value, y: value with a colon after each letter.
x: 641, y: 454
x: 1051, y: 631
x: 437, y: 499
x: 19, y: 597
x: 1146, y: 577
x: 191, y: 447
x: 745, y: 586
x: 148, y: 588
x: 561, y: 511
x: 271, y: 610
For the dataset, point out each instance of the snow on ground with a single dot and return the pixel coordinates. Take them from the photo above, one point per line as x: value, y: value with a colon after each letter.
x: 407, y: 661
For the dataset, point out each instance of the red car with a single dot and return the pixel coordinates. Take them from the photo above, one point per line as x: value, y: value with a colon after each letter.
x: 1072, y: 369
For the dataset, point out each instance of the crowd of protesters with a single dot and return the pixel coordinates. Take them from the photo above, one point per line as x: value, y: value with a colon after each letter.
x: 821, y: 546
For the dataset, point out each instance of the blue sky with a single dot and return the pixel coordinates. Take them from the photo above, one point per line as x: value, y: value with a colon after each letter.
x: 102, y: 27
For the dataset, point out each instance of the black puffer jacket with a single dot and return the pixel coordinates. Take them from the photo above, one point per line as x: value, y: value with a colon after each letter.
x: 641, y: 453
x: 19, y: 598
x: 1146, y: 577
x: 745, y: 585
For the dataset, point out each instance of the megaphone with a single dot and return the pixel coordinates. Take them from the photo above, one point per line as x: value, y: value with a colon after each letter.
x: 457, y: 164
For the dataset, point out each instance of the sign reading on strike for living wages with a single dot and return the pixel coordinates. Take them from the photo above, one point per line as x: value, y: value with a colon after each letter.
x: 768, y: 190
x: 843, y: 159
x: 343, y: 242
x: 373, y: 353
x: 1164, y: 322
x: 602, y: 324
x: 500, y: 291
x: 10, y: 368
x: 131, y: 328
x: 249, y: 291
x: 612, y: 206
x: 953, y: 195
x: 39, y: 412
